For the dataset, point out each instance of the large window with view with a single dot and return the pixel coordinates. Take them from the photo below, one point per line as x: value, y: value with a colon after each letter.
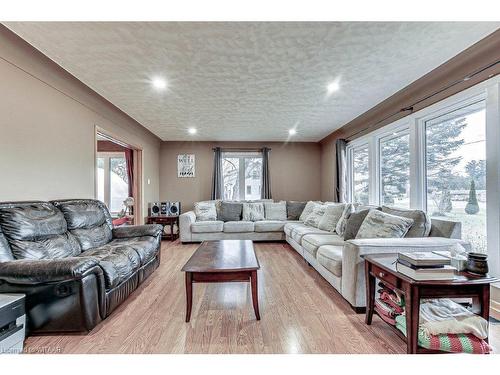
x: 360, y: 157
x: 395, y: 169
x: 455, y: 159
x: 242, y: 175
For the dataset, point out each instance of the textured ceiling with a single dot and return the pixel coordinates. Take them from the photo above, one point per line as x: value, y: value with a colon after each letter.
x: 249, y: 81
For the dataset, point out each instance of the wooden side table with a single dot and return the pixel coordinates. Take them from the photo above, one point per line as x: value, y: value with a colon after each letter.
x: 166, y: 220
x: 465, y: 285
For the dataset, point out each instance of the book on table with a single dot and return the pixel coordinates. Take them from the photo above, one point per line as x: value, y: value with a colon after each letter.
x: 444, y: 272
x: 423, y: 259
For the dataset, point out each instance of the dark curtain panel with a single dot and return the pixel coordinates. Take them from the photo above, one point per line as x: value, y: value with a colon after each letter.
x: 266, y: 179
x: 341, y: 176
x: 217, y: 186
x: 129, y: 159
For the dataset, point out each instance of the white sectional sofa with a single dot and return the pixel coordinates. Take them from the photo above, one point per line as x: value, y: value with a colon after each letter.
x: 338, y: 261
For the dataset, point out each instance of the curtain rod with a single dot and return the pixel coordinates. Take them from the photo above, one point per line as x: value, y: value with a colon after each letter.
x: 410, y: 107
x: 236, y: 149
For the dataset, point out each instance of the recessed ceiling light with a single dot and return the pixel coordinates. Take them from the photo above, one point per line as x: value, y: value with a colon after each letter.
x: 332, y: 87
x: 192, y: 131
x: 159, y: 83
x: 292, y: 132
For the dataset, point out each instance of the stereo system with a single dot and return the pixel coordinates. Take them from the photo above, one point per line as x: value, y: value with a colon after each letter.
x: 164, y: 209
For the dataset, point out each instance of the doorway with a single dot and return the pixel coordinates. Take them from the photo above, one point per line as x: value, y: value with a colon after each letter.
x: 118, y: 168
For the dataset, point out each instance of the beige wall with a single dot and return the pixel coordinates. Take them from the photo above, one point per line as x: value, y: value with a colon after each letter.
x: 294, y: 169
x: 328, y: 170
x: 47, y: 129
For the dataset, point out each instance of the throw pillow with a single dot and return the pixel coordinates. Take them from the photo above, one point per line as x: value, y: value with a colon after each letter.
x: 308, y: 209
x: 314, y: 217
x: 354, y: 223
x: 275, y: 211
x: 294, y: 209
x: 253, y: 211
x: 230, y: 211
x: 421, y: 221
x: 205, y: 211
x: 340, y: 227
x: 378, y: 224
x: 333, y: 212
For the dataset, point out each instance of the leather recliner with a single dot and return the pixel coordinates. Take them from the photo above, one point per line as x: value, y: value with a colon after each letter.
x: 73, y: 266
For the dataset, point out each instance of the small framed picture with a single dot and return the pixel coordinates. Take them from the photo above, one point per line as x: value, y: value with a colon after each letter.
x: 186, y: 165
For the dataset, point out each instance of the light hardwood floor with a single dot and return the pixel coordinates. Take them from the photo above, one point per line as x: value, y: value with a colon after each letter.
x: 300, y: 312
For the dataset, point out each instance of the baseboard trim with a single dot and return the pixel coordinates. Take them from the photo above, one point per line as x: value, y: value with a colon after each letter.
x: 495, y: 310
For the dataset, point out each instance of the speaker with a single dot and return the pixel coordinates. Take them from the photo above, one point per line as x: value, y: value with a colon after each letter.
x: 154, y: 209
x: 174, y: 208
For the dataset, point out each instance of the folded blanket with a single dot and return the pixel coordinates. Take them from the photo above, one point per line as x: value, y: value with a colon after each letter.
x: 395, y: 295
x: 384, y: 308
x: 447, y: 342
x: 384, y: 317
x: 384, y: 296
x: 443, y: 315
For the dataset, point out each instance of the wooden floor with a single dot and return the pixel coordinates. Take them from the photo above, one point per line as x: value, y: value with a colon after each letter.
x: 300, y: 311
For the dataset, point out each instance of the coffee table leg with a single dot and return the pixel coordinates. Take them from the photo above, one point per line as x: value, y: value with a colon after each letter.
x: 370, y: 294
x: 255, y: 296
x: 189, y: 295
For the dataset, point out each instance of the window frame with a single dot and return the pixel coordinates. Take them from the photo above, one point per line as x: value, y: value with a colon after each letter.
x: 415, y: 124
x: 241, y: 155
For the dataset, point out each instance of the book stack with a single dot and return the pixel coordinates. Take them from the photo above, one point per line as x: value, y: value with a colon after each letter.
x: 425, y: 266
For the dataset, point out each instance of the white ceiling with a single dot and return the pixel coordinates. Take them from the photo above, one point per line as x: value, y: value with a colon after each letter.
x: 249, y: 81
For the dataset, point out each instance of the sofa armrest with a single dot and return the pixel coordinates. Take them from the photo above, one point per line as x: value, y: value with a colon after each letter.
x: 29, y: 271
x: 129, y: 231
x: 353, y: 272
x: 185, y: 221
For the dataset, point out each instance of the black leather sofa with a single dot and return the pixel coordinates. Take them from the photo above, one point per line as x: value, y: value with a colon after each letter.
x: 73, y: 266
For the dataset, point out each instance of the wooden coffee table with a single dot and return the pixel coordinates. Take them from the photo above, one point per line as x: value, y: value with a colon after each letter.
x: 222, y: 262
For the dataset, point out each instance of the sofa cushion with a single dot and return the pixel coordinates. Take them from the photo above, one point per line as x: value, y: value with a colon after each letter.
x: 230, y: 211
x: 315, y: 216
x: 207, y: 226
x: 238, y: 226
x: 330, y: 257
x: 144, y: 246
x: 289, y: 227
x: 271, y: 225
x: 301, y: 231
x: 37, y: 230
x: 311, y: 242
x: 333, y: 213
x: 294, y: 209
x: 88, y: 220
x: 253, y: 211
x: 379, y: 224
x: 31, y: 221
x: 275, y: 211
x: 353, y: 223
x: 308, y: 209
x: 117, y: 262
x: 205, y: 211
x: 340, y: 227
x: 421, y: 226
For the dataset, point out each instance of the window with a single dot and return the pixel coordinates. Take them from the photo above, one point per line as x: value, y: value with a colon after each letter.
x: 395, y: 169
x: 360, y: 174
x: 242, y: 175
x: 455, y: 159
x: 112, y: 180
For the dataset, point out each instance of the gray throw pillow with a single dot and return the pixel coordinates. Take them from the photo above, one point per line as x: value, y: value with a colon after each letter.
x: 205, y: 211
x: 294, y: 209
x: 253, y: 211
x: 314, y: 217
x: 354, y: 223
x: 275, y: 211
x: 340, y: 227
x: 421, y: 222
x: 308, y: 209
x: 333, y: 213
x: 378, y: 224
x: 230, y: 211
